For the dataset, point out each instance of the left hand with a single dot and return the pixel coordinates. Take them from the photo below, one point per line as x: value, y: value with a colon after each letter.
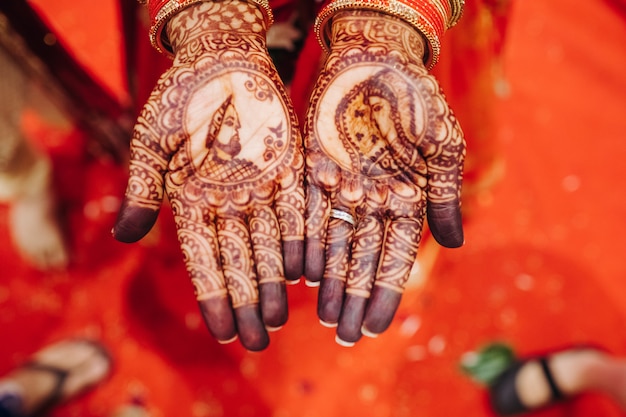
x: 383, y: 151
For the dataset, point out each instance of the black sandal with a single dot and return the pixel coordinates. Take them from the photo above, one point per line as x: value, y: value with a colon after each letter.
x: 503, y: 394
x: 60, y: 374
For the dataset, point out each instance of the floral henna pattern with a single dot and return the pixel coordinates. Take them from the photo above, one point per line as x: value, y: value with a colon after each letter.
x: 392, y: 155
x: 219, y: 135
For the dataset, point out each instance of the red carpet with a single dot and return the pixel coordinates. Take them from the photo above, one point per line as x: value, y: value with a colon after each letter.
x: 542, y: 266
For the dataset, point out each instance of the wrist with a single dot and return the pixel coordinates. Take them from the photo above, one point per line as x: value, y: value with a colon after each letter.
x: 431, y: 18
x: 376, y: 29
x: 163, y: 13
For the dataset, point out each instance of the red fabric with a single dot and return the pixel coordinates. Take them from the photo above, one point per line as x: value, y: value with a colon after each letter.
x: 542, y: 265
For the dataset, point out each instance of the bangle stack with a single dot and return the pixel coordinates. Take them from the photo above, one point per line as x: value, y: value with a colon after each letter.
x: 430, y: 17
x: 160, y: 11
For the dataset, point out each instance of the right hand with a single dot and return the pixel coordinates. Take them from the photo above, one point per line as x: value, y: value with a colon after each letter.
x: 219, y: 134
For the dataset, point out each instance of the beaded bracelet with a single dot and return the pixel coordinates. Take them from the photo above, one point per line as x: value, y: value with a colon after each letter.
x: 430, y: 17
x: 160, y: 11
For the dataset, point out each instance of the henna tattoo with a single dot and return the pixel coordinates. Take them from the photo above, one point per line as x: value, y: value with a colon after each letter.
x: 219, y: 135
x: 393, y: 153
x: 265, y: 237
x: 364, y: 258
x: 399, y: 254
x: 337, y: 249
x: 237, y: 262
x: 216, y: 26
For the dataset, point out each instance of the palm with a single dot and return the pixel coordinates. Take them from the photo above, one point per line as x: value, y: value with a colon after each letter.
x: 218, y: 134
x: 392, y: 153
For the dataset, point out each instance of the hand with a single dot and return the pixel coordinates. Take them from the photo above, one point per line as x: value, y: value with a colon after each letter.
x: 383, y: 151
x: 219, y: 135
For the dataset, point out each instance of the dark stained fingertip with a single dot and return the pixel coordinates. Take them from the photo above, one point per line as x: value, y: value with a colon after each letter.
x: 314, y: 261
x: 252, y: 333
x: 446, y: 224
x: 218, y: 317
x: 351, y: 319
x: 381, y: 309
x: 293, y: 257
x: 273, y: 299
x: 330, y: 300
x: 133, y: 222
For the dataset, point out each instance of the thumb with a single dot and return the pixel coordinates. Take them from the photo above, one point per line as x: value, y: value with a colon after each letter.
x: 445, y: 223
x: 144, y: 192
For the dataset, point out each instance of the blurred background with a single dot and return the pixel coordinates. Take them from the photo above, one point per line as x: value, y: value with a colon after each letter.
x: 540, y: 89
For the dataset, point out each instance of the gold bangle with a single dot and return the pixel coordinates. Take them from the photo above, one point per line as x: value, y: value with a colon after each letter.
x: 457, y: 11
x: 392, y: 7
x: 160, y: 12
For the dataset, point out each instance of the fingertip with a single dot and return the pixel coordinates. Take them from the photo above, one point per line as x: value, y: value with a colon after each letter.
x: 351, y: 319
x: 330, y: 300
x: 133, y: 222
x: 315, y: 260
x: 446, y: 224
x: 293, y: 256
x: 218, y: 318
x: 367, y: 333
x: 252, y: 332
x: 343, y: 343
x: 228, y: 341
x: 273, y: 303
x: 380, y: 311
x: 273, y: 329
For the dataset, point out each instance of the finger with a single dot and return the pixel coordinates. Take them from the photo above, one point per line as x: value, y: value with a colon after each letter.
x: 330, y: 297
x: 237, y: 264
x: 330, y: 300
x: 252, y: 332
x: 445, y: 223
x: 290, y: 211
x: 144, y: 192
x: 367, y: 247
x: 397, y: 258
x: 274, y: 311
x: 349, y: 328
x: 134, y: 220
x: 381, y: 309
x: 445, y: 154
x: 315, y: 239
x: 269, y: 266
x: 198, y: 242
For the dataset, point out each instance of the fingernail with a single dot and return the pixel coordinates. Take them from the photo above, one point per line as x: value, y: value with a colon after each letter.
x: 292, y: 282
x: 273, y: 329
x: 327, y: 324
x: 312, y: 284
x: 225, y: 342
x: 342, y: 342
x: 367, y: 333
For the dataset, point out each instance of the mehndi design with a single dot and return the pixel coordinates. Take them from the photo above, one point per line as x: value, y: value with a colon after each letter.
x: 219, y: 135
x: 392, y: 155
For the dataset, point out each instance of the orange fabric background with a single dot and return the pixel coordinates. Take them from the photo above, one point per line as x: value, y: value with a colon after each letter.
x: 542, y: 266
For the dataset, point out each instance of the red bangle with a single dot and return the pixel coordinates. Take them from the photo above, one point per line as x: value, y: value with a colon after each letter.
x: 430, y: 17
x: 160, y: 11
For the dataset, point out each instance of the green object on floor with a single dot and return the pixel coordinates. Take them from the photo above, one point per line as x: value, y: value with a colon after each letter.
x: 486, y: 364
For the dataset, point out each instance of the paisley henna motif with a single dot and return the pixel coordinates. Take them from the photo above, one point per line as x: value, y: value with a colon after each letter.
x: 393, y: 154
x: 219, y: 135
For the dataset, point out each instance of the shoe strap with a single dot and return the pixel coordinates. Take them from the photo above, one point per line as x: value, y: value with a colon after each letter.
x: 56, y: 394
x: 556, y: 392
